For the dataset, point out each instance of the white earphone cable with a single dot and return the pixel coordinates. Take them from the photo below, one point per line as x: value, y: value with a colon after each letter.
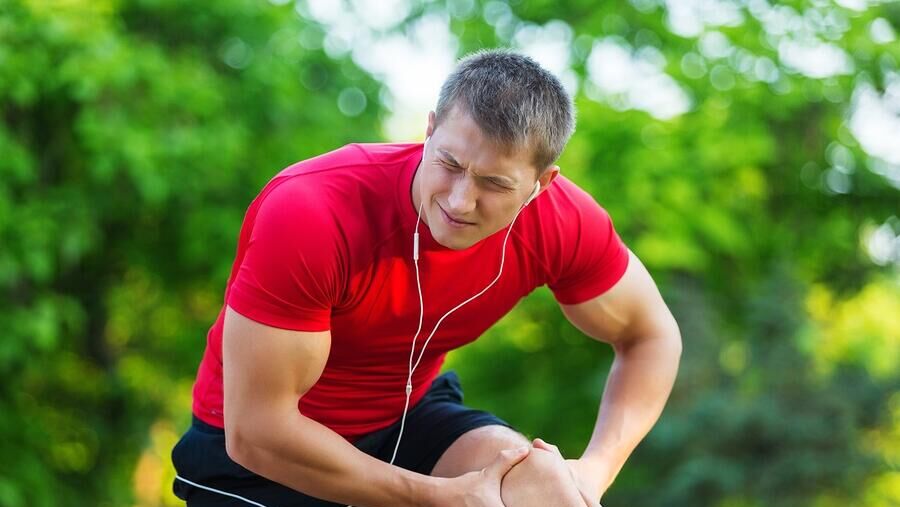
x: 214, y: 490
x: 412, y: 367
x: 415, y: 336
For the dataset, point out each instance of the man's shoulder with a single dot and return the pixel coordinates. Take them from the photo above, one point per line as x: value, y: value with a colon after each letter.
x: 352, y: 158
x: 565, y: 197
x: 351, y: 191
x: 342, y: 179
x: 386, y: 153
x: 566, y: 211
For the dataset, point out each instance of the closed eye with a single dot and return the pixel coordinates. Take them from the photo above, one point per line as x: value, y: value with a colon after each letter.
x: 494, y: 182
x: 498, y: 184
x: 451, y: 167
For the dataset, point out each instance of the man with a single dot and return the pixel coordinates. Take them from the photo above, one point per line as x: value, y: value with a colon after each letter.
x: 303, y: 390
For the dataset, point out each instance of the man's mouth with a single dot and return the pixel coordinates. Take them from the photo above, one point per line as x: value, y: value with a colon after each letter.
x: 453, y: 222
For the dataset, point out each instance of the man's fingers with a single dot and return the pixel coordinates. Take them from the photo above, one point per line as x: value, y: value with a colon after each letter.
x: 505, y: 461
x: 588, y: 501
x: 540, y: 444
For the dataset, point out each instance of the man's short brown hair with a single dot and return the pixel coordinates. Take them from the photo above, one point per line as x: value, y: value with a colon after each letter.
x: 516, y: 102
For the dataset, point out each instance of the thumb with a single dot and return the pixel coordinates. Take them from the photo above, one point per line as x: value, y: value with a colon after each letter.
x: 541, y: 444
x: 505, y: 461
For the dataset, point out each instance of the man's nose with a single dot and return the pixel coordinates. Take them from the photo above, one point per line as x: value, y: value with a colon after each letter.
x: 463, y: 196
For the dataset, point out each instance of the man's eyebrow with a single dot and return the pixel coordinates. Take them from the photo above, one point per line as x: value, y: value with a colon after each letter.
x: 446, y: 154
x: 505, y: 180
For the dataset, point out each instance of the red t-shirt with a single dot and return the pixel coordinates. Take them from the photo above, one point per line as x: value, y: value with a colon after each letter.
x: 327, y: 245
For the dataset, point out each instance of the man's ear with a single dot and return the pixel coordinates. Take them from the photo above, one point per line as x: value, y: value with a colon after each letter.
x: 547, y: 177
x: 430, y: 129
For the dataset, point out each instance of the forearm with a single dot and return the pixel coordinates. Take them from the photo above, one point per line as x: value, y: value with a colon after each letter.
x: 638, y: 386
x: 304, y: 455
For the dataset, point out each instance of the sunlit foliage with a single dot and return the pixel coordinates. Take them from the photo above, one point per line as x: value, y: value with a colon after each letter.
x: 741, y: 165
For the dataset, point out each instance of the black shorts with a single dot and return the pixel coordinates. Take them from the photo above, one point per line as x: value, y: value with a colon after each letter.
x: 431, y: 427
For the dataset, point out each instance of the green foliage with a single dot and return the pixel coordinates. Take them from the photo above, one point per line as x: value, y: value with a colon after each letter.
x: 134, y: 133
x: 782, y: 390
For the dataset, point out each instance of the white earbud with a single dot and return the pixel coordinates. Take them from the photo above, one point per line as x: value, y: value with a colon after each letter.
x: 534, y: 193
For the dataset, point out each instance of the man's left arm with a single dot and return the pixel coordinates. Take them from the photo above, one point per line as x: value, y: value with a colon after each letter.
x: 634, y: 319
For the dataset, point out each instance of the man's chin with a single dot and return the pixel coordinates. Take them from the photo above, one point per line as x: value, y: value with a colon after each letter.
x: 453, y: 241
x: 455, y: 244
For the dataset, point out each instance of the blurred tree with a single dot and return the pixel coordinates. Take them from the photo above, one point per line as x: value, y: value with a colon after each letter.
x: 750, y: 206
x: 133, y: 136
x: 135, y: 132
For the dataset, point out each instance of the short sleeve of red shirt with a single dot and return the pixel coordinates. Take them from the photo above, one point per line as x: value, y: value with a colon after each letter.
x: 592, y: 258
x: 290, y: 273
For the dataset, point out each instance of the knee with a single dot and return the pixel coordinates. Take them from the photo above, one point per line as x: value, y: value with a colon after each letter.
x: 541, y: 479
x: 477, y: 449
x: 539, y: 467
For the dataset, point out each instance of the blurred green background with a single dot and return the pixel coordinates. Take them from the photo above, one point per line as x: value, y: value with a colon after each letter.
x: 749, y: 153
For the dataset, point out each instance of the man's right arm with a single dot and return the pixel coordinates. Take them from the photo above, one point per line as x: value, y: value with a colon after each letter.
x: 266, y: 371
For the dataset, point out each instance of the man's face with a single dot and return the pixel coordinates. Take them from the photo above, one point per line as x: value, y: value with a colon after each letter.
x: 470, y: 188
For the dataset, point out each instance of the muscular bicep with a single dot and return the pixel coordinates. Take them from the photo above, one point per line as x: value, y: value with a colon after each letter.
x: 267, y: 369
x: 631, y: 309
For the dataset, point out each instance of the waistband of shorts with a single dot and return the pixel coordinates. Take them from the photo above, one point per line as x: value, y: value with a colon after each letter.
x: 198, y: 424
x: 443, y: 382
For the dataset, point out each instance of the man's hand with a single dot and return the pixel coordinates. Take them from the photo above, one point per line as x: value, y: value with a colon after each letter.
x: 541, y: 480
x: 585, y: 474
x: 482, y: 488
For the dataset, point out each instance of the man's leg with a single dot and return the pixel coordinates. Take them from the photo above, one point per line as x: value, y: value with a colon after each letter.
x: 477, y: 449
x: 200, y: 457
x: 541, y: 479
